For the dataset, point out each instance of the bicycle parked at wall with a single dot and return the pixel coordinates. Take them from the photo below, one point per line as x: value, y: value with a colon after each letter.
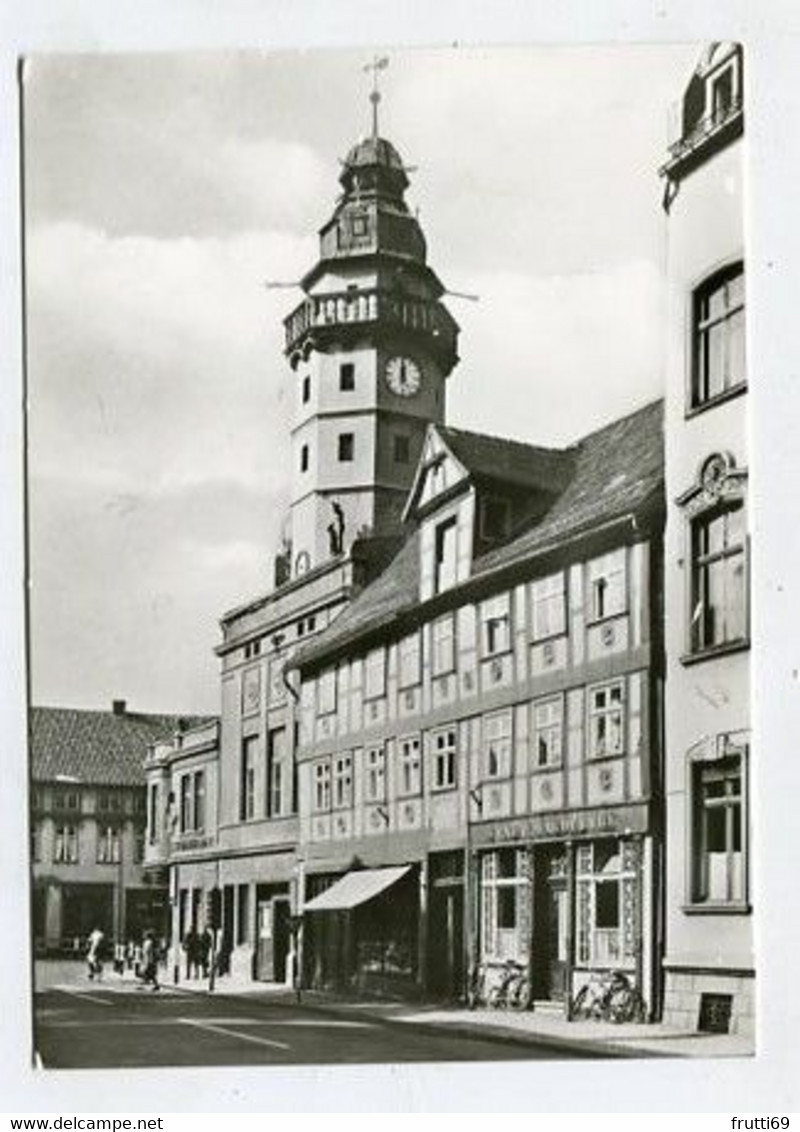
x: 501, y: 986
x: 609, y: 997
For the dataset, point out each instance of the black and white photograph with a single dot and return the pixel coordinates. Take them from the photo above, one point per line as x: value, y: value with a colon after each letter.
x: 389, y: 535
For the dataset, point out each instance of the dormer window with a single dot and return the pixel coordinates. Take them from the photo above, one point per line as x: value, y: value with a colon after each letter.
x: 723, y: 90
x: 445, y: 555
x: 495, y: 522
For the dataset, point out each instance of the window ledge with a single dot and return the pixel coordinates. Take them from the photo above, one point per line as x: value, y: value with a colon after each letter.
x: 549, y: 639
x: 496, y: 655
x: 719, y: 399
x: 725, y: 649
x: 732, y: 908
x: 444, y: 789
x: 590, y: 758
x: 592, y: 621
x: 549, y: 769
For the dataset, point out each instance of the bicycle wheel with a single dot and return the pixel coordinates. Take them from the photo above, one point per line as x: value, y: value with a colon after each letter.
x: 581, y: 1003
x: 521, y: 996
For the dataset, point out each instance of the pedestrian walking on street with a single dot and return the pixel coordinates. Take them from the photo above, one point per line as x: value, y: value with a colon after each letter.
x: 94, y: 954
x: 204, y: 951
x: 150, y: 963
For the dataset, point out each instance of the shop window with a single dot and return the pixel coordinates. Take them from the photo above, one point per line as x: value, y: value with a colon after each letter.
x: 375, y: 774
x: 66, y: 845
x: 718, y: 577
x: 445, y: 547
x: 719, y: 828
x: 444, y: 754
x: 247, y: 804
x: 496, y: 625
x: 322, y: 786
x: 718, y: 327
x: 607, y: 903
x: 606, y: 720
x: 497, y: 745
x: 375, y: 674
x: 504, y: 889
x: 607, y: 586
x: 548, y: 607
x: 326, y: 692
x: 108, y: 845
x: 410, y: 657
x: 548, y: 733
x: 410, y: 766
x: 347, y: 447
x: 444, y: 645
x: 347, y: 377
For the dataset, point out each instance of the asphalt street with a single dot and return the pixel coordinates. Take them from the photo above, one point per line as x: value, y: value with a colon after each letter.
x: 126, y: 1026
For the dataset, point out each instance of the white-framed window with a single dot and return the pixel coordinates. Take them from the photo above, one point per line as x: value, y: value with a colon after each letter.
x: 443, y: 636
x: 445, y: 555
x: 152, y: 813
x: 199, y: 801
x: 108, y: 845
x: 497, y: 732
x: 375, y: 674
x: 66, y: 845
x: 718, y: 577
x: 410, y: 654
x: 375, y: 774
x: 278, y: 786
x: 723, y: 92
x: 444, y: 755
x: 496, y: 625
x: 409, y: 766
x: 718, y: 828
x: 548, y: 606
x: 607, y: 589
x: 503, y: 875
x: 321, y: 781
x: 718, y: 329
x: 607, y: 719
x: 186, y: 803
x: 548, y: 732
x: 342, y: 782
x: 607, y: 892
x: 326, y: 692
x: 247, y: 805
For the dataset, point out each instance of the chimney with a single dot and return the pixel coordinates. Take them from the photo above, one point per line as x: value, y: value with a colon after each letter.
x: 118, y: 707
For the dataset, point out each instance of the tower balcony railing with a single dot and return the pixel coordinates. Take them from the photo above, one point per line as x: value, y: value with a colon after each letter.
x: 364, y: 307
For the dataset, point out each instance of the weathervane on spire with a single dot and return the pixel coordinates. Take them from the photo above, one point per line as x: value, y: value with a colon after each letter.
x: 379, y: 63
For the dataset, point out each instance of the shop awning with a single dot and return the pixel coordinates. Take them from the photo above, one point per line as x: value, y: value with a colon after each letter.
x: 356, y: 888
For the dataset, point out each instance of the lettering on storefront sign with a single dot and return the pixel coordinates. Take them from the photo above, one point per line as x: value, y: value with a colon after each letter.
x: 572, y: 823
x: 188, y: 842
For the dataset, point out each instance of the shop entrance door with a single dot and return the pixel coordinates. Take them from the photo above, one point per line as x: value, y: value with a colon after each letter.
x: 273, y: 940
x: 557, y: 942
x: 551, y: 920
x: 446, y: 940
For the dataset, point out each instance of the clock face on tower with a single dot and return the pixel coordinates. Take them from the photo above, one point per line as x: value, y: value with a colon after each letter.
x: 403, y: 376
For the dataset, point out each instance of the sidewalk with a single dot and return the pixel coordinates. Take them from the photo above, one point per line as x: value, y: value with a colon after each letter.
x: 543, y: 1026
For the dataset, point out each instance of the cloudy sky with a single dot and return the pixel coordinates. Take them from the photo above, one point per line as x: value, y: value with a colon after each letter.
x: 163, y: 190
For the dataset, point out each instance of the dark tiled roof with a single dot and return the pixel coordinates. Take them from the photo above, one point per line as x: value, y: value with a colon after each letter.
x: 98, y: 747
x: 617, y: 471
x: 511, y: 461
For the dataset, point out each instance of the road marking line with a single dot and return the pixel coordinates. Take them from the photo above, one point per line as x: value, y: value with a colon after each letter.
x: 82, y: 994
x: 203, y: 1025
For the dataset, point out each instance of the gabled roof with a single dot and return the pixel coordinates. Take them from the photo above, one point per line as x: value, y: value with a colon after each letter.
x: 617, y: 471
x: 509, y: 461
x: 99, y: 747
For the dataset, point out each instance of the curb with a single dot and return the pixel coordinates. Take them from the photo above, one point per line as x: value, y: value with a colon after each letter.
x: 588, y: 1047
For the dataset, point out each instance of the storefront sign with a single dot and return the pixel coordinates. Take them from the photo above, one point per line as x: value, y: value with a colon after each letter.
x: 569, y: 823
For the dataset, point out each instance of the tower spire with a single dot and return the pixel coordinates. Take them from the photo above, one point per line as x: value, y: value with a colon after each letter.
x: 379, y: 63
